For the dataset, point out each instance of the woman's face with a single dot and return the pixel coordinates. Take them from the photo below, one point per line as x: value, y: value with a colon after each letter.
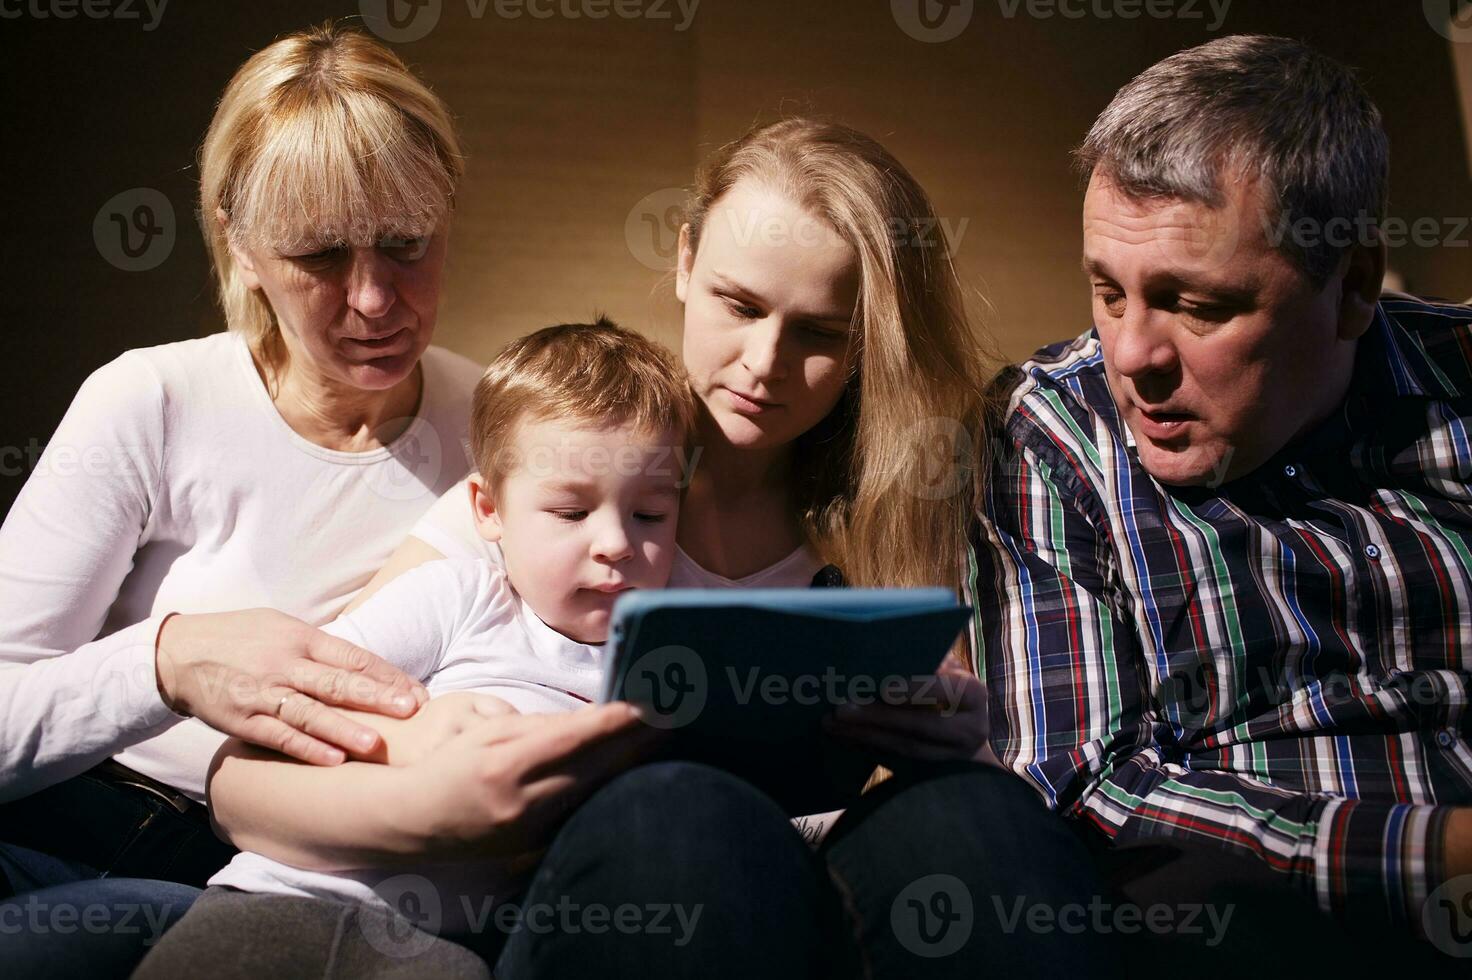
x: 353, y: 315
x: 769, y: 299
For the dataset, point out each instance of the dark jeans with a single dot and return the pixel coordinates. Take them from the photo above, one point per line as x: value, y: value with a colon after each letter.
x: 92, y: 871
x: 681, y: 870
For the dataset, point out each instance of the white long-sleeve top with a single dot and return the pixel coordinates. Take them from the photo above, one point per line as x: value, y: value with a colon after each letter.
x: 174, y: 485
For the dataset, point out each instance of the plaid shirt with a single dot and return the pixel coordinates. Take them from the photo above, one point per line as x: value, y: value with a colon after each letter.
x: 1279, y: 666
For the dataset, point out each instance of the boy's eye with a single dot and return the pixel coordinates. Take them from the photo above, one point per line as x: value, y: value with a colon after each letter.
x: 570, y: 516
x: 652, y: 518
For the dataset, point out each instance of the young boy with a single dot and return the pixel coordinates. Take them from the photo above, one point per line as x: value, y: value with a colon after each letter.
x: 577, y: 432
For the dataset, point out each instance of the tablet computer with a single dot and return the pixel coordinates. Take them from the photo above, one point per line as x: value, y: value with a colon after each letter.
x: 741, y: 678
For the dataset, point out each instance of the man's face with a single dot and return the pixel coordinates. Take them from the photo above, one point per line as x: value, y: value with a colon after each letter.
x: 1218, y: 350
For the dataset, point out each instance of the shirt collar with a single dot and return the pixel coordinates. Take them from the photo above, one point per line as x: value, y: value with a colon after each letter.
x: 1403, y: 364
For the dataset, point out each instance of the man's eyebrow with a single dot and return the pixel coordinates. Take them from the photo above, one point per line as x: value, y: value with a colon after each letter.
x: 1093, y: 267
x: 724, y: 283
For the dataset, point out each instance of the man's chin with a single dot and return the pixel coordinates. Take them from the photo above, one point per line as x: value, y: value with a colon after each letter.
x: 1191, y: 466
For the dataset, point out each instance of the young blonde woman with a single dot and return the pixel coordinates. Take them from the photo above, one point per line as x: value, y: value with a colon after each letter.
x: 840, y: 391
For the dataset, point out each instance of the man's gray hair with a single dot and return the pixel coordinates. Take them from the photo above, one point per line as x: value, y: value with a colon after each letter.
x: 1257, y: 107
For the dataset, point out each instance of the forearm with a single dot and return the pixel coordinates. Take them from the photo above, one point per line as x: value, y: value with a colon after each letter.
x: 314, y: 817
x: 62, y: 715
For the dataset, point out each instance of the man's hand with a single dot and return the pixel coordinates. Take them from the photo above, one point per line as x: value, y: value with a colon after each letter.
x: 269, y: 678
x: 941, y: 717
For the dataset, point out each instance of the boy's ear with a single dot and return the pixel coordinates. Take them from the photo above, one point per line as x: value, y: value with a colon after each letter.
x: 483, y: 509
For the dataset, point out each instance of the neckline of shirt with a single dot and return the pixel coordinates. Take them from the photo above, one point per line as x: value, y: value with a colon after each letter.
x: 366, y: 457
x: 800, y: 552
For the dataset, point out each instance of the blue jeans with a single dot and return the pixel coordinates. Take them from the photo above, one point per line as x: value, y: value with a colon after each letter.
x: 923, y: 877
x: 66, y: 921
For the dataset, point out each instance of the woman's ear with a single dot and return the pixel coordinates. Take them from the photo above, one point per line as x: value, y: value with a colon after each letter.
x: 242, y: 257
x: 483, y: 509
x: 685, y: 262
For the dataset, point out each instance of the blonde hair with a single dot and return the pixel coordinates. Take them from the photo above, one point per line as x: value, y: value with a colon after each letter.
x: 322, y: 138
x: 594, y: 374
x: 912, y: 409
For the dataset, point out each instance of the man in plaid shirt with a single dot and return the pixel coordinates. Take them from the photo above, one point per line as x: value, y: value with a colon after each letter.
x: 1223, y: 567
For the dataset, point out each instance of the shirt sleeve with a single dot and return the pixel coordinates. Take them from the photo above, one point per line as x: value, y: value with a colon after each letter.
x: 1075, y: 712
x: 449, y: 528
x: 67, y: 699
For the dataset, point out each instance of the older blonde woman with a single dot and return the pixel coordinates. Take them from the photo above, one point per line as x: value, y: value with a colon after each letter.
x: 275, y: 464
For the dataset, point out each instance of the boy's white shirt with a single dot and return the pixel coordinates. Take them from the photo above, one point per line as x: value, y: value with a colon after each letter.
x: 458, y: 625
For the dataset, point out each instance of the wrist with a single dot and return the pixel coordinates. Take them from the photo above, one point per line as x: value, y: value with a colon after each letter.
x: 165, y: 672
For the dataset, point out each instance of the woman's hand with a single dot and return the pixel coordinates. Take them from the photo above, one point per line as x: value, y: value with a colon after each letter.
x: 409, y: 740
x: 939, y: 718
x: 505, y: 784
x: 269, y: 678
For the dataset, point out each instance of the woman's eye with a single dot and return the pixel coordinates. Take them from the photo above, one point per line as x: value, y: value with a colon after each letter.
x: 743, y: 311
x: 321, y: 257
x: 818, y: 333
x: 404, y: 249
x: 570, y: 516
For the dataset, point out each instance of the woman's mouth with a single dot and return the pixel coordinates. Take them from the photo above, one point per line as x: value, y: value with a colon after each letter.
x: 746, y: 405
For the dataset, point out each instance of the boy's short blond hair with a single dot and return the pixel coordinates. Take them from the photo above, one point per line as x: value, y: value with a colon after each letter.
x: 597, y: 375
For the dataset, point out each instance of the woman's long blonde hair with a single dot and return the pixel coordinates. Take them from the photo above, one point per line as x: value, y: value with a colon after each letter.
x: 324, y: 137
x: 886, y: 483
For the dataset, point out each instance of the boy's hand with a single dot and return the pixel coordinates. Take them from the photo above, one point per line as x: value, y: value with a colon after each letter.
x: 407, y: 741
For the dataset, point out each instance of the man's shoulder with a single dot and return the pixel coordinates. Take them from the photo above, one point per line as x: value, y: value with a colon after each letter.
x: 1430, y: 345
x: 1059, y: 400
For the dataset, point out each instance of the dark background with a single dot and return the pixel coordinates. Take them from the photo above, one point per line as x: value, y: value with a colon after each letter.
x: 570, y: 124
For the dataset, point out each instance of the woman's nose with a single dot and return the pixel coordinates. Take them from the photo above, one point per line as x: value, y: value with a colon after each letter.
x: 370, y: 283
x: 762, y: 354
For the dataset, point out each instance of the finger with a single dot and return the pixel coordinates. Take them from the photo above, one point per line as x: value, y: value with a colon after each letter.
x: 490, y: 706
x: 272, y: 733
x: 393, y: 691
x: 299, y: 710
x: 343, y: 688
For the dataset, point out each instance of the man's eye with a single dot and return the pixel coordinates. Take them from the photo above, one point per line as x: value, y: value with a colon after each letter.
x: 1113, y: 301
x: 404, y: 249
x: 570, y: 516
x: 1206, y: 312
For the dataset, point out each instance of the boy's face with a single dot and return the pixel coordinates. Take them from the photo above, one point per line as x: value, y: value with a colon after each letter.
x: 583, y: 515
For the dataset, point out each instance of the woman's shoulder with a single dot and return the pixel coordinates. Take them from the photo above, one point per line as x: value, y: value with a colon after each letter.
x: 451, y: 372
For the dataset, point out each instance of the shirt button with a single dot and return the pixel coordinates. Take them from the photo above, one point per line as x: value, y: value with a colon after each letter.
x: 1290, y: 471
x: 1394, y: 672
x: 1445, y: 738
x: 1372, y: 552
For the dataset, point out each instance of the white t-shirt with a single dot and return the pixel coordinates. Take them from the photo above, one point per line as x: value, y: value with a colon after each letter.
x: 457, y: 625
x: 173, y: 484
x: 449, y: 528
